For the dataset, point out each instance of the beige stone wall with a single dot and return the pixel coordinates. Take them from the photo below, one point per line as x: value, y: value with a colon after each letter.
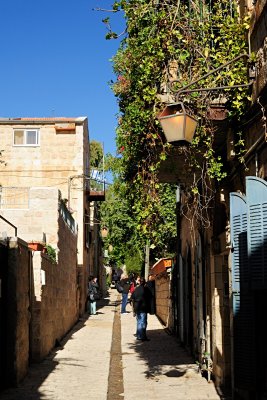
x: 217, y: 306
x: 258, y: 34
x: 50, y: 164
x: 217, y: 322
x: 163, y: 306
x: 56, y: 301
x: 60, y: 161
x: 221, y: 339
x: 18, y: 305
x: 39, y: 218
x: 42, y: 300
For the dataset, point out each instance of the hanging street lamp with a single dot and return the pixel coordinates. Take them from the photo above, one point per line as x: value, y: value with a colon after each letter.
x: 177, y: 124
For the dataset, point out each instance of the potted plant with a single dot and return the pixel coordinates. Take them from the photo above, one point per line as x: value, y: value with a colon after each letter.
x: 36, y: 246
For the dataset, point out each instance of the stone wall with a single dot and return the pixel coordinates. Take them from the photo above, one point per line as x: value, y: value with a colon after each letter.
x: 258, y: 33
x: 40, y: 299
x: 221, y: 335
x: 18, y: 311
x: 162, y: 289
x: 56, y: 301
x: 37, y: 218
x: 60, y: 161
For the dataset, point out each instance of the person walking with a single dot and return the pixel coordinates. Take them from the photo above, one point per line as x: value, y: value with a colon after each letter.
x: 125, y: 284
x: 92, y: 295
x: 141, y: 305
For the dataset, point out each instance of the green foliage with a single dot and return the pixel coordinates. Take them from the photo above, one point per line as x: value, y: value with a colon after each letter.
x: 115, y: 216
x: 197, y: 40
x: 96, y: 154
x: 128, y: 223
x: 51, y: 252
x: 96, y: 163
x: 134, y: 262
x: 164, y: 41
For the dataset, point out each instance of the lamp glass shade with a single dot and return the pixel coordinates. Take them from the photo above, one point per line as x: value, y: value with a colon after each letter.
x: 177, y: 124
x: 190, y: 128
x: 104, y: 232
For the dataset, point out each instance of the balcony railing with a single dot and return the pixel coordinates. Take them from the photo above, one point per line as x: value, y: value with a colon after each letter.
x: 67, y: 217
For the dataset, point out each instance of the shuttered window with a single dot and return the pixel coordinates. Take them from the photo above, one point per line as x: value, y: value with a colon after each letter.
x: 257, y: 231
x: 248, y: 218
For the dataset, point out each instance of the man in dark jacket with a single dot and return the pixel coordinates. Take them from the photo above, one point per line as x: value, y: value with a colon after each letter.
x: 141, y: 305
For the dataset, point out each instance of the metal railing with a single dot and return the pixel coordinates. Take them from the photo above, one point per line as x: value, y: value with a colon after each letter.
x: 67, y: 217
x: 9, y: 223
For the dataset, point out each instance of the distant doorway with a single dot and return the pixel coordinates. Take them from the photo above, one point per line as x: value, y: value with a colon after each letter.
x: 188, y: 304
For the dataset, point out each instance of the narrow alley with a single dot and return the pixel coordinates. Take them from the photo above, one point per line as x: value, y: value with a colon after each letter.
x: 100, y: 359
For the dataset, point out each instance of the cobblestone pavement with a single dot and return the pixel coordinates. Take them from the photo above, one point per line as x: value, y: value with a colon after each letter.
x: 80, y: 369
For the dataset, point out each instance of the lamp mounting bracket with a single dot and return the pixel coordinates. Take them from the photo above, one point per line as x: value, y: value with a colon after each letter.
x: 185, y: 89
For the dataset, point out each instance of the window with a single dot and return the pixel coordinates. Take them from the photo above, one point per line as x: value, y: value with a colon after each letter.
x: 26, y: 137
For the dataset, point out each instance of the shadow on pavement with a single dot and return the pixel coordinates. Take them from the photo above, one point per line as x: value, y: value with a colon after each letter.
x: 163, y: 355
x: 28, y: 389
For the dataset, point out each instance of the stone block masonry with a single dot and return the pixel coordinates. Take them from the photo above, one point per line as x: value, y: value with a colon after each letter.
x: 55, y: 304
x: 17, y: 303
x: 162, y: 289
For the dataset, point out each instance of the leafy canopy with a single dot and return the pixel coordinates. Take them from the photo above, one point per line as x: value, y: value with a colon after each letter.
x: 165, y: 41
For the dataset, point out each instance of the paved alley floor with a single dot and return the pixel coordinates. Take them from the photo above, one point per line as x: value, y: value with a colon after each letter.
x: 100, y: 359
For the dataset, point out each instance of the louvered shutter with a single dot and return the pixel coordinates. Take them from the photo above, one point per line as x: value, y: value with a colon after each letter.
x: 242, y: 299
x: 256, y: 189
x: 238, y: 221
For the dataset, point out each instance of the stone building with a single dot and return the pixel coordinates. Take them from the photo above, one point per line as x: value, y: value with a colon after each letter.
x: 220, y: 277
x: 40, y: 154
x: 45, y: 203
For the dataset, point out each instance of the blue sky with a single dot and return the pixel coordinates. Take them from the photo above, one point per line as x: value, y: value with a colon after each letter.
x: 55, y: 61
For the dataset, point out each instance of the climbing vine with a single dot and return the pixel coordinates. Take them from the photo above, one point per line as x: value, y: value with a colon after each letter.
x: 179, y: 41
